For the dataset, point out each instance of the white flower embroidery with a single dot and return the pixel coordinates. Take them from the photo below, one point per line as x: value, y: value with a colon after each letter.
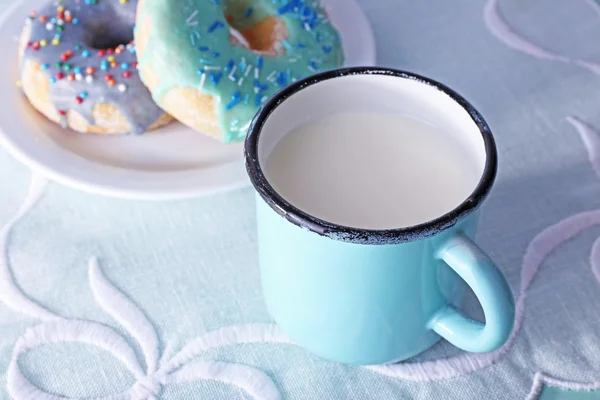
x: 156, y: 373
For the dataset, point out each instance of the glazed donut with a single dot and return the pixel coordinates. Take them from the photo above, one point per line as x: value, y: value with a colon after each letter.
x: 215, y: 82
x: 78, y: 67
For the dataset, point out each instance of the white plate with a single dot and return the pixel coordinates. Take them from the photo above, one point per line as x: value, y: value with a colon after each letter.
x: 170, y: 163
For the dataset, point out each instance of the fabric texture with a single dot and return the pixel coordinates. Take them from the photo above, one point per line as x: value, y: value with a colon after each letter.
x: 103, y: 297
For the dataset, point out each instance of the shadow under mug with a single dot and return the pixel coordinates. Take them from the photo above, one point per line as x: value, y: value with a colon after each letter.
x: 364, y: 296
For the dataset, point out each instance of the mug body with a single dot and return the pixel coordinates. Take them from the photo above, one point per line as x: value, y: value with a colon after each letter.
x: 366, y: 296
x: 355, y: 303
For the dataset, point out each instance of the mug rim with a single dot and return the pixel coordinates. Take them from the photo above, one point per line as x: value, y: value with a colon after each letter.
x: 361, y: 235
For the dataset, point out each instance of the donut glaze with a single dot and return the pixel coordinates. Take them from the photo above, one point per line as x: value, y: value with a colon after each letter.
x: 188, y: 56
x: 84, y: 49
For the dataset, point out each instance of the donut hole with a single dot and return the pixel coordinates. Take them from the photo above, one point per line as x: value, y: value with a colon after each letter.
x: 102, y: 37
x: 264, y: 37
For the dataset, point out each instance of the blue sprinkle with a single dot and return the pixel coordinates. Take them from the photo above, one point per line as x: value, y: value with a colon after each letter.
x: 319, y: 37
x: 77, y: 70
x: 301, y: 45
x: 235, y: 99
x: 52, y: 79
x: 205, y: 61
x: 282, y: 79
x: 203, y: 48
x: 260, y: 87
x: 103, y: 66
x: 313, y: 66
x: 132, y: 49
x: 258, y: 99
x: 193, y: 39
x: 248, y: 12
x: 75, y: 21
x: 53, y: 20
x: 288, y: 7
x: 215, y: 78
x: 243, y: 65
x: 124, y: 65
x: 259, y: 62
x: 230, y: 65
x: 216, y: 1
x: 246, y: 98
x: 327, y: 49
x: 85, y: 53
x: 286, y: 44
x: 200, y: 71
x: 45, y: 67
x: 58, y: 35
x: 215, y: 25
x: 83, y: 95
x: 235, y: 122
x: 216, y: 54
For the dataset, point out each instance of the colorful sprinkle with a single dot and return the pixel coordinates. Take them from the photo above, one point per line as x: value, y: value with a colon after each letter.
x: 248, y: 12
x: 89, y: 78
x: 83, y: 95
x: 49, y: 26
x: 90, y: 70
x: 78, y: 77
x: 79, y: 100
x: 126, y: 74
x: 204, y: 48
x: 75, y: 21
x: 122, y: 87
x: 45, y: 67
x: 43, y: 42
x: 85, y: 53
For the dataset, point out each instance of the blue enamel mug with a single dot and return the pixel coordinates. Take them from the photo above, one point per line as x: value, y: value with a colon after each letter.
x: 365, y: 296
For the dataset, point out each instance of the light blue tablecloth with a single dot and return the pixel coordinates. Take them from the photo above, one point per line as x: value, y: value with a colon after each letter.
x: 169, y: 274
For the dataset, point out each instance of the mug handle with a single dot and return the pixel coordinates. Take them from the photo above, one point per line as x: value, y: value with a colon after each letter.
x: 489, y: 285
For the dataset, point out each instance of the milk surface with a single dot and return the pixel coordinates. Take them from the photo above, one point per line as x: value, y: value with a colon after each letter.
x: 372, y: 170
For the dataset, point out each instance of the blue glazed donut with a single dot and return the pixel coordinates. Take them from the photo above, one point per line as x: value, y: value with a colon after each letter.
x: 214, y: 84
